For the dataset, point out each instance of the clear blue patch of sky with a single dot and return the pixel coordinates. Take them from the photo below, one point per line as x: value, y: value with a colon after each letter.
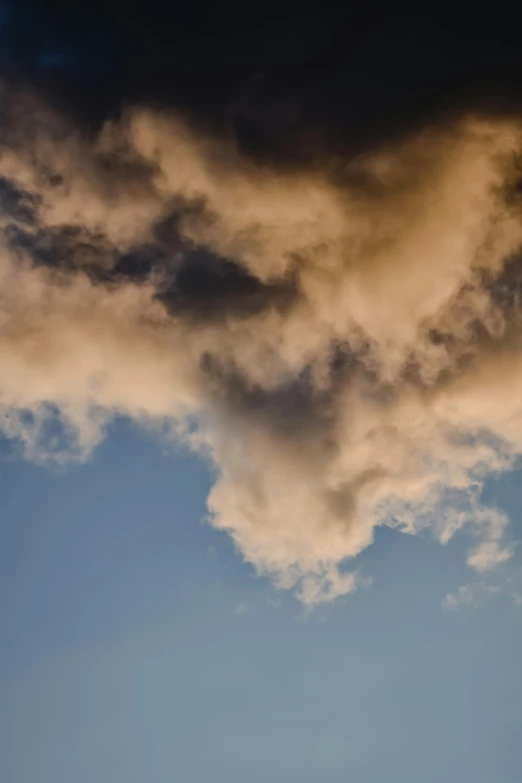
x: 124, y: 658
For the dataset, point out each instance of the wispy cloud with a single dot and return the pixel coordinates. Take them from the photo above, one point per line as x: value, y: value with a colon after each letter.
x: 488, y: 555
x: 471, y: 595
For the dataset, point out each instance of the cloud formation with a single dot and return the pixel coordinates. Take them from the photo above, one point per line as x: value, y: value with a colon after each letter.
x: 469, y: 596
x: 342, y: 341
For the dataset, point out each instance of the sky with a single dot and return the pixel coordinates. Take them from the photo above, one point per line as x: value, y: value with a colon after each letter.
x: 260, y: 376
x: 136, y: 644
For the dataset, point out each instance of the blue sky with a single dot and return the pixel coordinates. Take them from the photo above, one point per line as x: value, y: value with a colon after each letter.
x: 136, y: 645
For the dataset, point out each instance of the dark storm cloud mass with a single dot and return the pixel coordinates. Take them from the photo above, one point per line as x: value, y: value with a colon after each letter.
x: 294, y: 243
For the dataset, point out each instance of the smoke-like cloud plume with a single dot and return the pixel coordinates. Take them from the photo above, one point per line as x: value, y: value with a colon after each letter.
x: 342, y: 342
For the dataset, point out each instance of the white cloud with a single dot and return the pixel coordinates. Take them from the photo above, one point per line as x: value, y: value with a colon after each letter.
x: 488, y: 555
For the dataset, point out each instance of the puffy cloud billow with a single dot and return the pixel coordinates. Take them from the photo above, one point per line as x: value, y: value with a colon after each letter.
x: 342, y: 340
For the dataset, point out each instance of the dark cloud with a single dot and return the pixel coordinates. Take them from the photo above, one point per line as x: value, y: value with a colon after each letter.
x: 15, y: 204
x: 288, y: 83
x: 293, y: 239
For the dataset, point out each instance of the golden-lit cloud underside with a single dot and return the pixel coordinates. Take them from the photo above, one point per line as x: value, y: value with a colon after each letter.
x: 373, y: 374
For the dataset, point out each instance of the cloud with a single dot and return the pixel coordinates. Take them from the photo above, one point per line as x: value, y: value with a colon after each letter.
x: 341, y: 342
x: 488, y: 554
x: 470, y: 596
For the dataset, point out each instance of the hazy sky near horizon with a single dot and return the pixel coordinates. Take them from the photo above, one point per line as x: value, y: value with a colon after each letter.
x: 260, y: 396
